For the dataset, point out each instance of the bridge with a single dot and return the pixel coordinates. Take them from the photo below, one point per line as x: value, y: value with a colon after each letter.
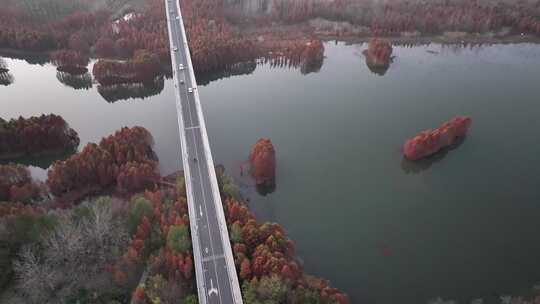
x: 215, y: 272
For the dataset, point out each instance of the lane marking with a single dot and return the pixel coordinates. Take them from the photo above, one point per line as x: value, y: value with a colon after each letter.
x: 176, y: 34
x: 213, y: 290
x: 214, y: 257
x: 201, y: 179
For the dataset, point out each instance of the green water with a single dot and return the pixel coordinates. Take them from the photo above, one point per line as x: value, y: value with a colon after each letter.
x: 461, y: 225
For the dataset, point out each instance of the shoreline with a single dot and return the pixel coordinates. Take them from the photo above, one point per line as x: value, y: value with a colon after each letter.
x: 403, y: 39
x: 440, y: 39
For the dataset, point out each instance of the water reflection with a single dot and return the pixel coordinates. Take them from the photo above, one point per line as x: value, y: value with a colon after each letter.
x: 42, y: 161
x: 242, y: 68
x: 266, y: 188
x: 6, y: 78
x: 376, y: 68
x: 309, y: 64
x: 29, y: 57
x: 118, y: 92
x: 77, y: 82
x: 415, y: 167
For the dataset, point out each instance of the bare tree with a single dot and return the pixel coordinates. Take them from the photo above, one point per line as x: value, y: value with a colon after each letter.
x: 73, y: 256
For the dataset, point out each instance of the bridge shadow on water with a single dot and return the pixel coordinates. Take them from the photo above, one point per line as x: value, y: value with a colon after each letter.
x: 415, y: 167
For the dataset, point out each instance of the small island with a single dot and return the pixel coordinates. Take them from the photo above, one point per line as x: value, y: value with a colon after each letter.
x: 36, y: 136
x: 431, y: 141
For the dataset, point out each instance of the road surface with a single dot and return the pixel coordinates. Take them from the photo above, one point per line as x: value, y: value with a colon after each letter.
x: 215, y: 271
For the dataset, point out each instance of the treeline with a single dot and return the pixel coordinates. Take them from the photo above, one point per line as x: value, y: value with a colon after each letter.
x: 427, y: 17
x: 45, y: 134
x: 215, y: 45
x: 305, y: 54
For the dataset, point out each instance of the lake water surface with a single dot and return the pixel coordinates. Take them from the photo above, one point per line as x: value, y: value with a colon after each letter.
x: 461, y: 225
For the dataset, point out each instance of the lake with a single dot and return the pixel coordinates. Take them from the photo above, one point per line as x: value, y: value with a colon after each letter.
x: 460, y: 225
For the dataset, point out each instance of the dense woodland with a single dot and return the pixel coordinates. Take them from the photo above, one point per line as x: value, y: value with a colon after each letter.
x: 94, y: 31
x: 220, y: 35
x: 45, y: 134
x: 62, y: 240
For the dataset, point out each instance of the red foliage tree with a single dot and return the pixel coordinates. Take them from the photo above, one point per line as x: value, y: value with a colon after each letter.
x: 431, y: 141
x: 263, y: 162
x: 245, y: 269
x: 379, y: 53
x: 45, y: 134
x: 120, y: 159
x: 17, y: 185
x: 69, y: 61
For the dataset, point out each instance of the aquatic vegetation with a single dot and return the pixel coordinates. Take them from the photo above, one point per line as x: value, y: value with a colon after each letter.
x: 34, y: 136
x: 431, y: 141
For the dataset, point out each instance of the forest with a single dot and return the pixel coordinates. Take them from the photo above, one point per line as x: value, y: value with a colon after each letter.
x: 221, y: 35
x: 35, y: 136
x: 106, y: 226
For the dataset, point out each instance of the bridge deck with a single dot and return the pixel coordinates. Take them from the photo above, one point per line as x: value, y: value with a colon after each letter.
x: 215, y: 271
